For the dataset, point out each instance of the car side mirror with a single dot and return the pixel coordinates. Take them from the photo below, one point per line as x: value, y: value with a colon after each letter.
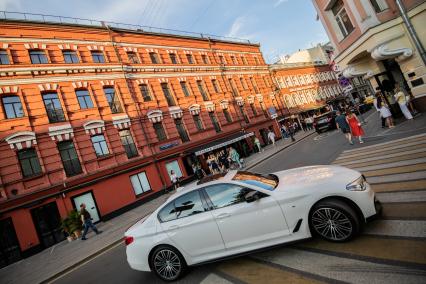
x: 252, y: 196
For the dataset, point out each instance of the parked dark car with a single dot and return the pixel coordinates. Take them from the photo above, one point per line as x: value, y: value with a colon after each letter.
x: 325, y: 122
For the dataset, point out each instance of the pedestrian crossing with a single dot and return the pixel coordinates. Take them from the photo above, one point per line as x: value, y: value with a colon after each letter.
x: 390, y: 250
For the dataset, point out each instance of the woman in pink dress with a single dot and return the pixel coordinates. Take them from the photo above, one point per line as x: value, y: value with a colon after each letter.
x: 355, y: 126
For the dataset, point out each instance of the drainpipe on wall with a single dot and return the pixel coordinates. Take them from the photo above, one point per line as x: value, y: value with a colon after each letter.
x: 411, y: 31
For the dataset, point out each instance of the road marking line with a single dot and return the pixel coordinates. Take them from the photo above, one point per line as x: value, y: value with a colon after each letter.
x: 392, y: 165
x: 399, y: 186
x: 396, y: 170
x: 404, y: 210
x: 408, y: 251
x: 357, y: 164
x: 397, y: 177
x: 397, y: 228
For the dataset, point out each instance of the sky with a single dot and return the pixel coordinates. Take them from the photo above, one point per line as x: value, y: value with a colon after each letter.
x: 280, y: 26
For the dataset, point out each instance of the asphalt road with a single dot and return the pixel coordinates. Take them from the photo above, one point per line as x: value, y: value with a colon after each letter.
x: 388, y: 253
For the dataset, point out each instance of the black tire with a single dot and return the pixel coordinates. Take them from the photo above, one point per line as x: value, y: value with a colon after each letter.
x: 334, y: 220
x: 167, y: 263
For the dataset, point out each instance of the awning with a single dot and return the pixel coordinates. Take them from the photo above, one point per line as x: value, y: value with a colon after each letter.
x: 222, y: 142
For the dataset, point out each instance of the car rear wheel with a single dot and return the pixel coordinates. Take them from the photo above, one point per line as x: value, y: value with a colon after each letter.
x: 167, y: 263
x: 334, y: 220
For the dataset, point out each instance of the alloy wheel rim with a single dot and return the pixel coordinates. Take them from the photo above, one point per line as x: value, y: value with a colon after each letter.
x: 332, y: 224
x: 167, y: 264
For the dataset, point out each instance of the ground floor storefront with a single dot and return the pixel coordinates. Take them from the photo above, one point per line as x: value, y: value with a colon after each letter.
x: 34, y: 223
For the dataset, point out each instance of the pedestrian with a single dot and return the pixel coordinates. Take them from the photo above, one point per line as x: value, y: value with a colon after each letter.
x: 343, y: 125
x: 234, y: 156
x: 257, y: 144
x: 291, y: 131
x: 354, y: 125
x: 86, y: 219
x: 402, y: 100
x: 284, y: 131
x: 215, y: 165
x: 271, y: 137
x: 376, y: 102
x: 385, y: 113
x: 174, y: 179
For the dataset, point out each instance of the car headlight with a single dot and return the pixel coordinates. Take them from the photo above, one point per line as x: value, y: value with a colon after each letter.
x: 357, y: 185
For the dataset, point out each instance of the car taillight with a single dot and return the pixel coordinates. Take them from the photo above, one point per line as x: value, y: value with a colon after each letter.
x: 128, y: 240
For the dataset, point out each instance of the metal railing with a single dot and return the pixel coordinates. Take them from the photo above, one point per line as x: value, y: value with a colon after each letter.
x: 53, y: 19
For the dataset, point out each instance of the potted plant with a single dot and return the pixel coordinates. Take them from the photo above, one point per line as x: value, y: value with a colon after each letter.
x: 66, y: 227
x: 75, y: 225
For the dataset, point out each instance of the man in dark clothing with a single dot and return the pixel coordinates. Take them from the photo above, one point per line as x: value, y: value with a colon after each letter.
x: 86, y: 219
x: 291, y: 131
x: 343, y: 125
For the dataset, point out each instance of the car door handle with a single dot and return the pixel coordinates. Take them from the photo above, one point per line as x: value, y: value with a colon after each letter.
x: 173, y: 227
x: 223, y: 215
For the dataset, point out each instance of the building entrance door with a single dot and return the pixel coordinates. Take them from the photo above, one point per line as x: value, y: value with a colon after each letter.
x: 87, y: 198
x: 264, y: 134
x: 9, y: 245
x: 47, y: 221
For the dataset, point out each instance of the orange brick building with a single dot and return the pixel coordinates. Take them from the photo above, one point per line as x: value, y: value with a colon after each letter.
x: 101, y: 115
x: 306, y: 87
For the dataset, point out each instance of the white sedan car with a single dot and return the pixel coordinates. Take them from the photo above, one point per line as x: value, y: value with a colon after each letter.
x: 239, y: 212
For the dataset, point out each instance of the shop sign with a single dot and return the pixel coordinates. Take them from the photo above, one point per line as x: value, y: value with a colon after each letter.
x: 168, y: 146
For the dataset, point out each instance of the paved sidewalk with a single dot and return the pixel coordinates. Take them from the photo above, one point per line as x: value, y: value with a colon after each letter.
x: 64, y: 256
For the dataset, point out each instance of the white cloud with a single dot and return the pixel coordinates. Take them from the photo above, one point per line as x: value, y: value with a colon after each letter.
x: 10, y: 5
x: 279, y: 2
x: 237, y: 27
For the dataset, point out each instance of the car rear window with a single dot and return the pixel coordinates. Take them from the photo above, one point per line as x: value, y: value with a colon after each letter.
x: 268, y: 182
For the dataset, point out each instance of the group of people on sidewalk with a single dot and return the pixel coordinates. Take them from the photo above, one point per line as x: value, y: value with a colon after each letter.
x: 349, y: 124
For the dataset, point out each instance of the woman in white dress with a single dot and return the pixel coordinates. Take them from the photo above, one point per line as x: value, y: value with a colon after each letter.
x: 402, y: 102
x: 385, y: 113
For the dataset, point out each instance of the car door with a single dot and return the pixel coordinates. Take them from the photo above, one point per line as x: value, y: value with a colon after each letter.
x: 190, y: 225
x: 242, y: 223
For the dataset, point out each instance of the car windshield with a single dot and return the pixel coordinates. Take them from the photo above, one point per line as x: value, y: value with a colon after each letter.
x: 268, y: 182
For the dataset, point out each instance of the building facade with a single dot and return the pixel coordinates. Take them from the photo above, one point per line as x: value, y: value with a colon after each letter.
x: 101, y: 115
x: 371, y: 40
x: 306, y: 87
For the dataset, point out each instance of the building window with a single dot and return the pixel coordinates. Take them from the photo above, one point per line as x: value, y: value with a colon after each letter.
x: 253, y: 109
x: 181, y: 130
x: 253, y: 83
x: 205, y: 59
x: 167, y: 94
x: 184, y: 89
x: 173, y: 58
x: 4, y: 57
x: 379, y: 5
x: 233, y: 89
x: 244, y: 60
x: 222, y: 59
x: 30, y: 165
x: 128, y: 143
x: 227, y: 116
x: 342, y: 18
x: 243, y: 113
x: 265, y: 113
x: 53, y: 107
x: 69, y: 158
x: 154, y: 58
x: 113, y: 101
x: 234, y: 60
x: 70, y: 56
x: 159, y: 131
x: 100, y: 145
x: 198, y: 122
x: 257, y: 60
x: 190, y: 59
x: 146, y: 95
x: 12, y: 107
x: 140, y: 183
x: 215, y: 86
x: 243, y: 83
x: 133, y: 57
x: 84, y: 99
x: 202, y: 91
x: 38, y: 57
x: 215, y: 123
x: 98, y: 57
x: 265, y: 81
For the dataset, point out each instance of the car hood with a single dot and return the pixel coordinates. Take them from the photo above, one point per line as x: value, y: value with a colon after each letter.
x: 316, y: 176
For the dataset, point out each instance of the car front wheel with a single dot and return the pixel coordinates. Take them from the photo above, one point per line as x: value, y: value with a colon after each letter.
x: 334, y: 220
x: 167, y: 263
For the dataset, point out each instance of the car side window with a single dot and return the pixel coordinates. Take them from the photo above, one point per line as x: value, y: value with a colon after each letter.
x: 183, y: 206
x: 226, y: 194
